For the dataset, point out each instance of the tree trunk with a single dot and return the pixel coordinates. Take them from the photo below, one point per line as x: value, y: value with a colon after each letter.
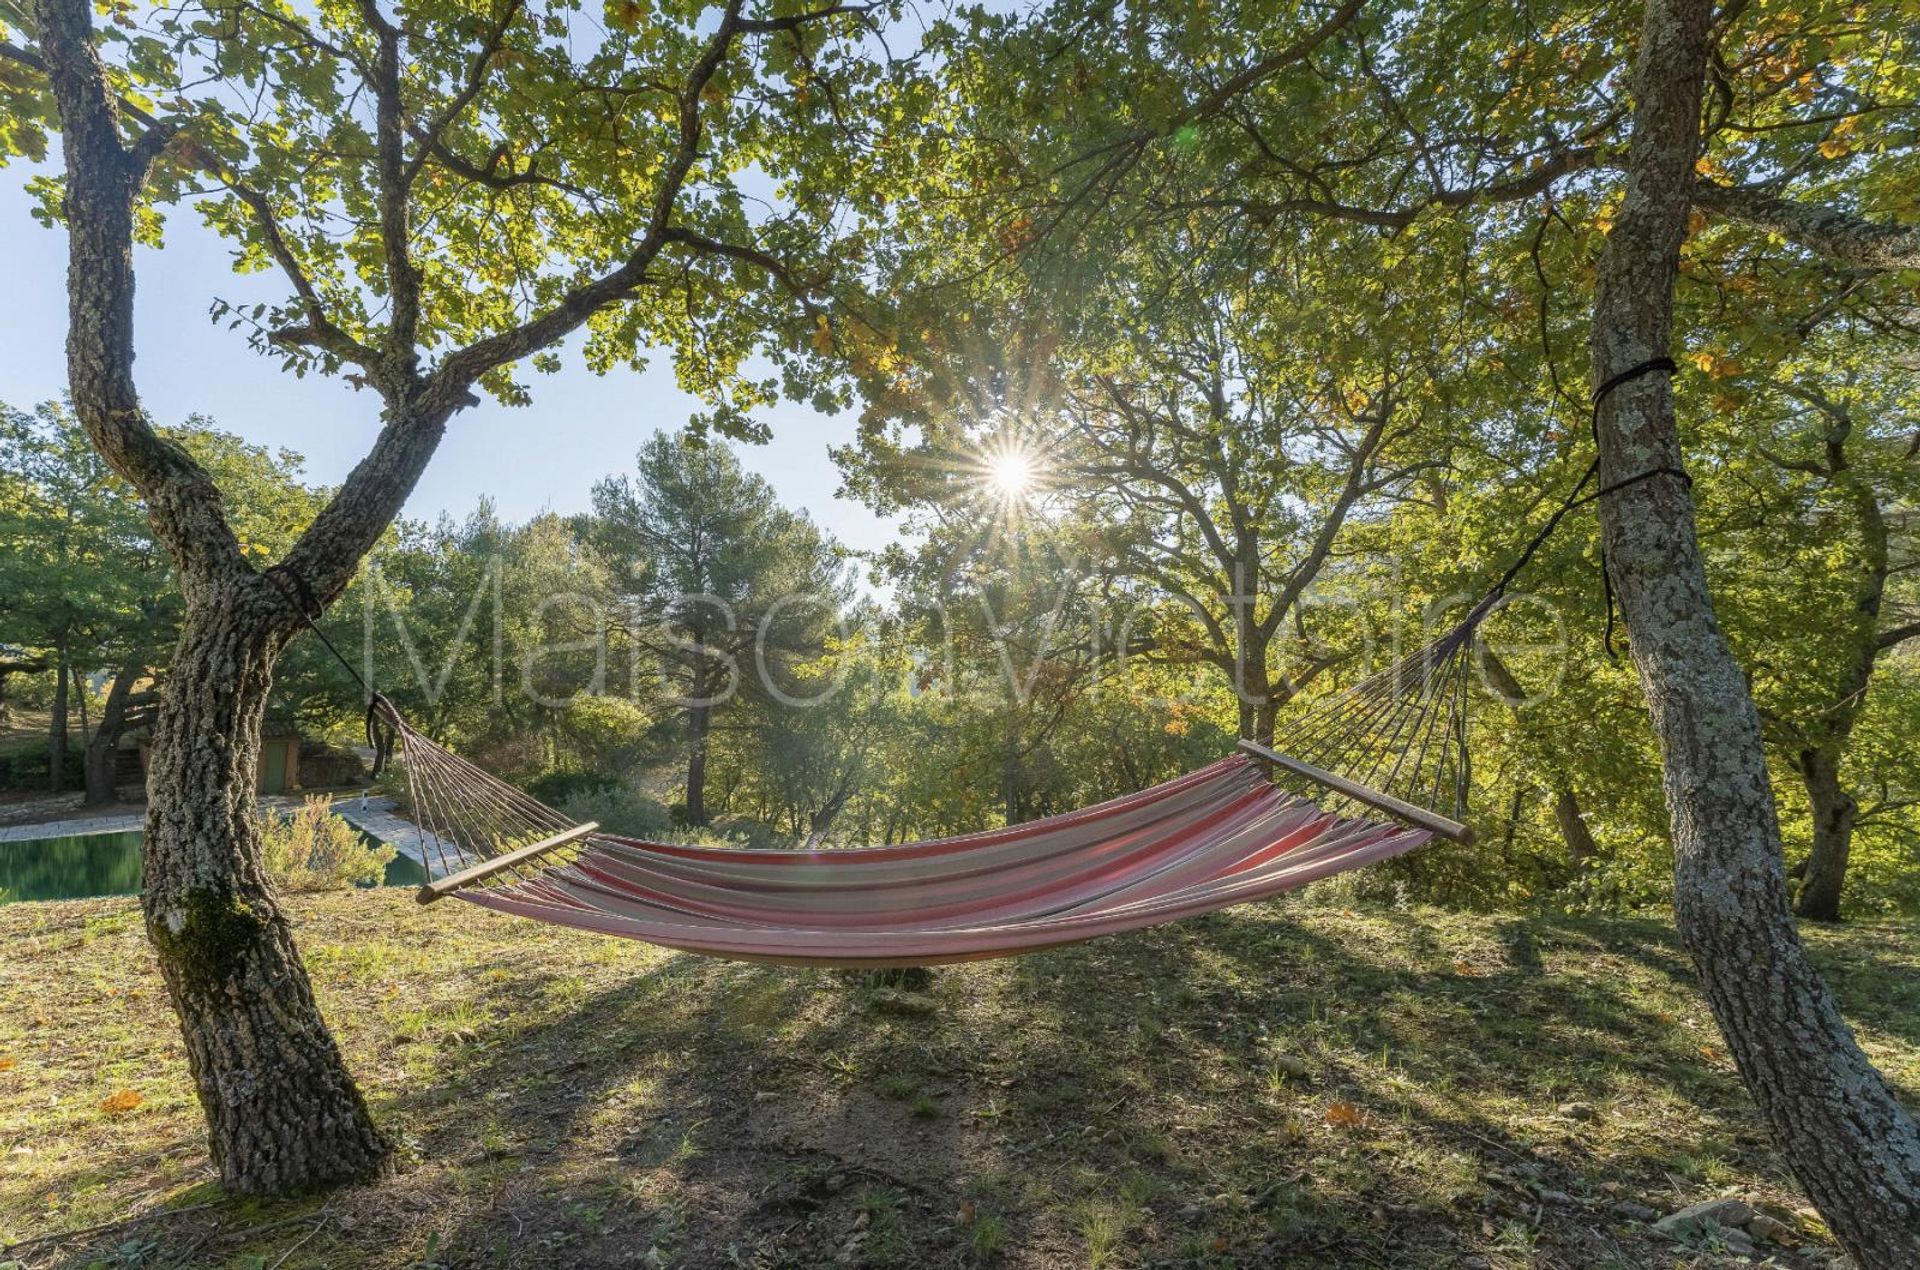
x: 1833, y: 811
x: 80, y: 699
x: 1259, y: 707
x: 1851, y: 1144
x: 282, y: 1112
x: 102, y: 761
x: 699, y: 725
x: 1581, y: 846
x: 821, y: 821
x: 1832, y: 808
x: 1010, y: 780
x: 9, y: 669
x: 57, y: 726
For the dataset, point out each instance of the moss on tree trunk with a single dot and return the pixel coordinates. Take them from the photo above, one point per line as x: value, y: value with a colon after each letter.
x: 282, y: 1112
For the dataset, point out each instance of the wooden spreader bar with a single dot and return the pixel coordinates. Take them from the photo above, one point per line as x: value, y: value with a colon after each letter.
x: 500, y: 863
x: 1420, y: 816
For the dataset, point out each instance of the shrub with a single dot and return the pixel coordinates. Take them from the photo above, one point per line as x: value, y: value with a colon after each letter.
x: 619, y: 809
x: 555, y: 788
x: 23, y: 768
x: 315, y: 850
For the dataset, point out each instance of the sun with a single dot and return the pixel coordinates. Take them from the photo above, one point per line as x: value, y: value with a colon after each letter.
x: 1011, y: 472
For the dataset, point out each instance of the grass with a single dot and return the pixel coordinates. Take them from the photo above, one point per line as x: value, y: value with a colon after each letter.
x: 1281, y: 1085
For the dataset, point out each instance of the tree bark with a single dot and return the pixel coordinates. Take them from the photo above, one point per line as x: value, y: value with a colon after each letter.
x: 57, y: 726
x: 1581, y: 846
x: 1840, y: 237
x: 699, y: 726
x: 102, y: 758
x: 1833, y: 810
x: 282, y: 1112
x: 1851, y: 1144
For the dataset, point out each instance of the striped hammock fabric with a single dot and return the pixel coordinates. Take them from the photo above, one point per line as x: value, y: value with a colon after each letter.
x: 1367, y: 767
x: 1218, y: 836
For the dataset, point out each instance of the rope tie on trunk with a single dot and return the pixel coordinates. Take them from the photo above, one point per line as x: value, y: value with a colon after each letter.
x: 1579, y: 498
x: 381, y: 715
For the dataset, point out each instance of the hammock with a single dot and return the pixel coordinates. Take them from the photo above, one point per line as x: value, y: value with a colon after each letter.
x: 1375, y: 759
x: 1364, y: 768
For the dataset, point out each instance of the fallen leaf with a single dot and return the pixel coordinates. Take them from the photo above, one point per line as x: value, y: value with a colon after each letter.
x: 6, y: 1064
x: 119, y: 1101
x: 1344, y: 1115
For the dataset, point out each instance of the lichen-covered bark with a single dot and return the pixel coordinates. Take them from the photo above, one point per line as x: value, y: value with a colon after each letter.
x: 1850, y: 1143
x: 1832, y: 810
x: 282, y: 1112
x: 1839, y: 236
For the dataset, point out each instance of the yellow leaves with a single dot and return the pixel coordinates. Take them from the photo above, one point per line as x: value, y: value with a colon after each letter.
x: 1603, y: 216
x: 1696, y: 221
x: 1344, y: 1115
x: 625, y: 14
x: 1837, y: 145
x: 121, y: 1101
x: 822, y: 334
x: 6, y: 1064
x: 1717, y: 365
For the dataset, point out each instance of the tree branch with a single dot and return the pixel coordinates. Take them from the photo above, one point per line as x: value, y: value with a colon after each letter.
x: 460, y: 371
x: 1840, y: 237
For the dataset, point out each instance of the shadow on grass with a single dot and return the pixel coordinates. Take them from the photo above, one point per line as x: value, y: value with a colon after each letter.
x: 1280, y: 1085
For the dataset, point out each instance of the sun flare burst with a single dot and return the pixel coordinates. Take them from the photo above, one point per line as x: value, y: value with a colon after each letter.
x: 1011, y: 473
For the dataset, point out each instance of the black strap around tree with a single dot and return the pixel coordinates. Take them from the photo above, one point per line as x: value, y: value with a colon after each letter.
x: 1580, y: 498
x: 380, y: 711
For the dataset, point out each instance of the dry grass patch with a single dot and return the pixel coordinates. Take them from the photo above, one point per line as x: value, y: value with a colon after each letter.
x: 1285, y: 1085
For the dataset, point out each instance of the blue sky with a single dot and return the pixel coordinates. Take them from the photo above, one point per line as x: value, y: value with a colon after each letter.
x: 580, y: 427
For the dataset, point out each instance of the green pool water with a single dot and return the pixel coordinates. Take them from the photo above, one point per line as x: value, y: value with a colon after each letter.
x: 106, y: 864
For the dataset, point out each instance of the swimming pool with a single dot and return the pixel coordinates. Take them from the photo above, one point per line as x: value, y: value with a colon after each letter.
x: 93, y: 864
